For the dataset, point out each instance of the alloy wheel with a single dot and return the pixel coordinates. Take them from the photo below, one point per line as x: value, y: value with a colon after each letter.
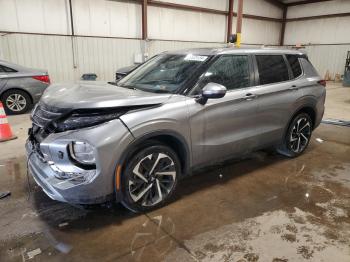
x: 300, y: 135
x: 152, y: 179
x: 16, y: 102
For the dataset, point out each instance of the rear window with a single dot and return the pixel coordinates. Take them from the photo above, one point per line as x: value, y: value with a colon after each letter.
x: 295, y: 65
x: 5, y: 69
x: 272, y: 69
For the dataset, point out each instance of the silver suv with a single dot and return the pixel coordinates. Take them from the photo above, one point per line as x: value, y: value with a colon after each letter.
x: 132, y: 141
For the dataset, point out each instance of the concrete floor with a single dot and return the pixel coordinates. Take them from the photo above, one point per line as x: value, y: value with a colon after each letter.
x: 337, y: 102
x: 264, y: 208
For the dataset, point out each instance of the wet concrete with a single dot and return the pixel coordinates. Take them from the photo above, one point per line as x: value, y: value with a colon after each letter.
x: 264, y: 208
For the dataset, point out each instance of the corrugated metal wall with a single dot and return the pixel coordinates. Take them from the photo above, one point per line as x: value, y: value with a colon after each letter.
x: 327, y: 40
x: 35, y: 16
x: 102, y: 56
x: 328, y: 58
x: 47, y: 52
x: 173, y: 29
x: 108, y: 24
x: 156, y: 47
x: 175, y: 24
x: 107, y: 18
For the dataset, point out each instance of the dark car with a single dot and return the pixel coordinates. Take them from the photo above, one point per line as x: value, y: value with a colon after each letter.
x: 21, y: 87
x: 122, y: 72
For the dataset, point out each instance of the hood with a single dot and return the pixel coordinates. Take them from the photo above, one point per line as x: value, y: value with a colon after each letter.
x: 92, y: 94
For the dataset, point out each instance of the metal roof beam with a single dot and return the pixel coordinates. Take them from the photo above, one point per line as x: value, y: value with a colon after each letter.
x: 306, y: 2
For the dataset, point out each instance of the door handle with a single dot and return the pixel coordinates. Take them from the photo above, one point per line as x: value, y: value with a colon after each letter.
x: 250, y: 96
x: 294, y: 88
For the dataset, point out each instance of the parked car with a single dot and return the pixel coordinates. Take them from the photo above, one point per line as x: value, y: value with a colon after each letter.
x: 122, y: 72
x: 21, y: 87
x: 131, y: 142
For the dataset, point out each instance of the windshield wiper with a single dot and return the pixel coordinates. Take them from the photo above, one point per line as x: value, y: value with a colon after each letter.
x: 154, y: 90
x: 128, y: 87
x: 157, y: 82
x: 161, y: 91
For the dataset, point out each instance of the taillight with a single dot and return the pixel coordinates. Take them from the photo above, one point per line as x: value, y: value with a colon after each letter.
x: 45, y: 79
x: 322, y: 82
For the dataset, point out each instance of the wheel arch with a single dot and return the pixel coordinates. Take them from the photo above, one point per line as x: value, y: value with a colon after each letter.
x: 308, y: 109
x: 167, y: 137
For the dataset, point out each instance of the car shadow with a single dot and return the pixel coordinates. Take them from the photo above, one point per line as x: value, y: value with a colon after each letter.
x: 55, y: 213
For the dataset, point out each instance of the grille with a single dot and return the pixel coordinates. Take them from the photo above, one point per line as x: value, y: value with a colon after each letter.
x: 43, y: 115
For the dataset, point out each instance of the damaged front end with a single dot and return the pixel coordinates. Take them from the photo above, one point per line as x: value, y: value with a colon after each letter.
x: 68, y: 150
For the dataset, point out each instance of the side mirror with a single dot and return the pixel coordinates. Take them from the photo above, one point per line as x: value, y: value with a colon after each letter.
x: 210, y: 91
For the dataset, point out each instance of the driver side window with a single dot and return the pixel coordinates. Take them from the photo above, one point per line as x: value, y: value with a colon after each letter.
x: 231, y: 71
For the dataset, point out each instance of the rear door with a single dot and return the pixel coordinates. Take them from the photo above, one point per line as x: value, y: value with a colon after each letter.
x: 224, y: 127
x: 277, y: 93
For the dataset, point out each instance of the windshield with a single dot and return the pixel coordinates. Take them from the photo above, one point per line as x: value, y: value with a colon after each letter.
x: 164, y: 73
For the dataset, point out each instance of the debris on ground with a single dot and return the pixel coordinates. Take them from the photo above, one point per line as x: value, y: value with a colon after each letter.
x: 63, y: 248
x: 63, y: 224
x: 337, y: 122
x: 60, y: 246
x: 320, y: 140
x: 33, y: 253
x: 4, y: 194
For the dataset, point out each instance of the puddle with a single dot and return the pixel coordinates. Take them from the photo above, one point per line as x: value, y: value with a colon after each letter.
x: 265, y: 207
x: 274, y: 236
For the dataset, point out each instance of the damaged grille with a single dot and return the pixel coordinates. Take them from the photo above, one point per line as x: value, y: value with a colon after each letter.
x: 42, y: 116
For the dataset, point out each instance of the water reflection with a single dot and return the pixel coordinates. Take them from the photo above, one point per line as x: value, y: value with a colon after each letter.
x: 160, y: 240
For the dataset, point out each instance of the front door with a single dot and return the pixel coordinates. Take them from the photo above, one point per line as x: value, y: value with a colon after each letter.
x: 224, y: 127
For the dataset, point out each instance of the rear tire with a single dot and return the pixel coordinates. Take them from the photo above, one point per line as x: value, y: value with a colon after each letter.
x: 150, y: 178
x: 16, y: 102
x: 298, y: 136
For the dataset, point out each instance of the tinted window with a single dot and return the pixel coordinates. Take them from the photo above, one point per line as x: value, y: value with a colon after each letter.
x: 294, y: 64
x: 231, y: 71
x: 272, y: 69
x: 5, y: 69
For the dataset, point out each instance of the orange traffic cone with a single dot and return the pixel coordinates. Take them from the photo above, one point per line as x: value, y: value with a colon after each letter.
x: 5, y: 129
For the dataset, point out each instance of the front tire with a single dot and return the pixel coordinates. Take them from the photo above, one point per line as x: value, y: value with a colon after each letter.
x: 16, y: 102
x: 298, y: 136
x: 150, y: 178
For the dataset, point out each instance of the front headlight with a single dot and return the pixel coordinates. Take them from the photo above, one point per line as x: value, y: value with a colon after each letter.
x: 82, y: 152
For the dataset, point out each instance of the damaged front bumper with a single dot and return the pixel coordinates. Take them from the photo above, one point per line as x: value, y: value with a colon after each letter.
x: 68, y: 190
x: 62, y: 179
